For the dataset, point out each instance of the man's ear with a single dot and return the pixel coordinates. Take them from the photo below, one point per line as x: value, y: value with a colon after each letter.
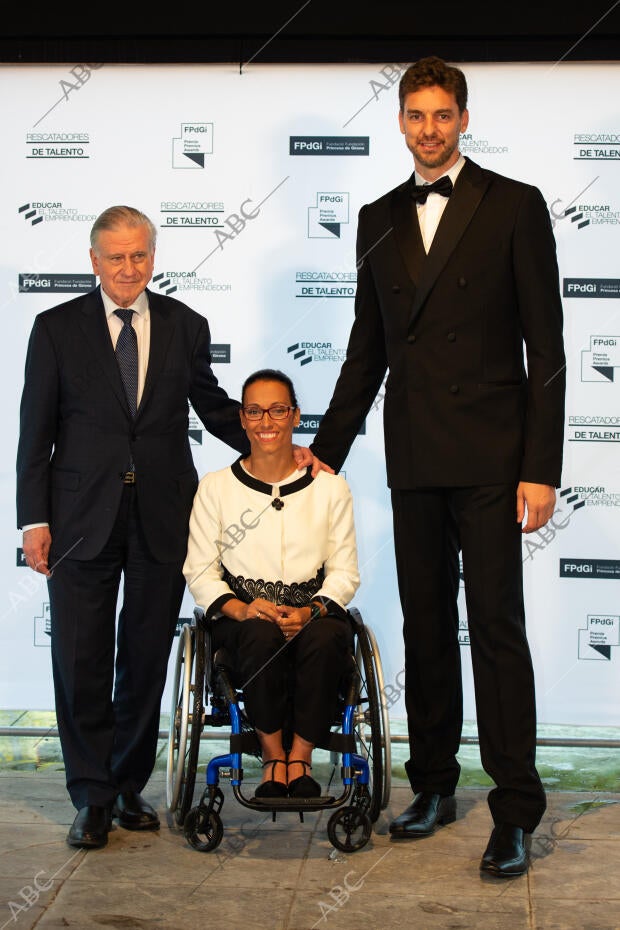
x: 93, y: 261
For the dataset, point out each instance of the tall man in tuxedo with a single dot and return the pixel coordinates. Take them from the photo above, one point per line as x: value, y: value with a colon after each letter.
x: 105, y: 489
x: 453, y: 282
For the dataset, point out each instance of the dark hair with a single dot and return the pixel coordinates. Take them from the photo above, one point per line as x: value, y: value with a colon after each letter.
x: 270, y: 374
x: 433, y: 72
x: 117, y: 216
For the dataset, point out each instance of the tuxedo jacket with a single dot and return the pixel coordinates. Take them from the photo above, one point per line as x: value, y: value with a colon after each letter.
x: 77, y: 435
x: 470, y: 335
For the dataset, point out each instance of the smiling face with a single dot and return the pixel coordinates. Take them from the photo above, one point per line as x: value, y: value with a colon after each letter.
x: 124, y: 259
x: 268, y: 436
x: 431, y: 124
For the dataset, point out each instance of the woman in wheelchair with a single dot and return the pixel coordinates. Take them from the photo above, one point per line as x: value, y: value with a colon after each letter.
x: 272, y: 559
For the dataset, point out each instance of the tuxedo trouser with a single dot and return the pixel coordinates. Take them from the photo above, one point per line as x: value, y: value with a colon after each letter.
x: 290, y: 684
x: 109, y: 678
x: 431, y: 525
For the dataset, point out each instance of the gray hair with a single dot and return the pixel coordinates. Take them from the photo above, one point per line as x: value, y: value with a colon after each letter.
x: 117, y: 216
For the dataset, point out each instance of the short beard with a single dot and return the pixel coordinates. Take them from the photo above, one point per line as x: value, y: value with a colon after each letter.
x: 435, y: 161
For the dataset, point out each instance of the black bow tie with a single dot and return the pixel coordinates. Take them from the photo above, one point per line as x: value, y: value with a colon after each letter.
x: 442, y: 186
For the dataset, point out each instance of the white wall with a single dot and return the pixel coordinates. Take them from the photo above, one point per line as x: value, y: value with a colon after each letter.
x: 216, y: 141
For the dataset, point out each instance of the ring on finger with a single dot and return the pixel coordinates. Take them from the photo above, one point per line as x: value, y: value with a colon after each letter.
x: 258, y: 614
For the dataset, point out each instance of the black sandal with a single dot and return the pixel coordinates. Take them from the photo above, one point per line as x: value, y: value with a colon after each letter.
x: 305, y: 786
x: 271, y: 788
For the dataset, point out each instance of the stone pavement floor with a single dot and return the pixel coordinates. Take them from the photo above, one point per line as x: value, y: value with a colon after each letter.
x: 287, y: 875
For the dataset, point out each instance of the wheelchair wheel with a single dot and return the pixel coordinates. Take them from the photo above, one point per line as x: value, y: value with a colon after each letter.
x: 203, y: 829
x: 386, y: 744
x: 185, y: 722
x: 371, y: 724
x: 349, y: 829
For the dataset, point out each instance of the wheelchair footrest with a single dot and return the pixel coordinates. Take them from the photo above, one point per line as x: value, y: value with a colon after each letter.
x: 295, y: 804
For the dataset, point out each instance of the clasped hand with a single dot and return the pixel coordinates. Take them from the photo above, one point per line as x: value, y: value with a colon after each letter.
x: 290, y: 620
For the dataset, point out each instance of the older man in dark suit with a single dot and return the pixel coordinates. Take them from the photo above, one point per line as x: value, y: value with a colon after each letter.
x: 457, y: 271
x: 105, y: 485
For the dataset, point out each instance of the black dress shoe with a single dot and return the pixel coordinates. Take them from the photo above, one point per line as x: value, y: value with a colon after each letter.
x: 505, y: 855
x: 426, y: 811
x: 134, y: 813
x: 90, y: 828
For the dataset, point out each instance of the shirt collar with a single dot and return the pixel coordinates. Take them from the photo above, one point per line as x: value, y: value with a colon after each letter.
x: 300, y: 479
x: 140, y: 305
x: 453, y: 173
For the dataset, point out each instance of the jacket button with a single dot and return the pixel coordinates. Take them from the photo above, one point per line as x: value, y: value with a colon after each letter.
x: 462, y: 282
x: 395, y: 289
x: 451, y: 337
x: 411, y: 337
x: 454, y: 388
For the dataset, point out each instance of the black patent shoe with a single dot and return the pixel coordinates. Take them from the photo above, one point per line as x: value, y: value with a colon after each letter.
x: 271, y: 788
x: 505, y: 855
x: 90, y: 828
x: 424, y: 814
x: 305, y: 786
x: 134, y: 813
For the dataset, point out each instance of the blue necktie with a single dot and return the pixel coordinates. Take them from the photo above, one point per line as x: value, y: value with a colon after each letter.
x: 127, y: 355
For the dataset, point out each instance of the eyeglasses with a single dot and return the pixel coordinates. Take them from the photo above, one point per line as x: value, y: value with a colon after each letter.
x: 276, y: 411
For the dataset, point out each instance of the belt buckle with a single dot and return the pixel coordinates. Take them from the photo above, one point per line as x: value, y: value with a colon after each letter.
x: 129, y: 477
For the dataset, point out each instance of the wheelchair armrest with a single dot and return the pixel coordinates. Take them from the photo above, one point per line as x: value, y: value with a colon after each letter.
x: 355, y: 617
x: 201, y: 619
x: 353, y: 684
x: 223, y: 672
x: 221, y: 659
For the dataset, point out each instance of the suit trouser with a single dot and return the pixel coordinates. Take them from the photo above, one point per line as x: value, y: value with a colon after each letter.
x: 290, y: 684
x: 430, y: 526
x: 107, y: 707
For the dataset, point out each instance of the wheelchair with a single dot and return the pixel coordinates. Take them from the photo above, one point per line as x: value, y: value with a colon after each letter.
x: 203, y: 695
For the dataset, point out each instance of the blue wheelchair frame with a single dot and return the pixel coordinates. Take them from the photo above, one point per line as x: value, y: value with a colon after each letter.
x: 353, y: 810
x: 349, y: 827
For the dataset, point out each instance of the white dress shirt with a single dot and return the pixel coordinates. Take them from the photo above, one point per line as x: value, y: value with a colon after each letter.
x: 430, y: 213
x: 141, y: 322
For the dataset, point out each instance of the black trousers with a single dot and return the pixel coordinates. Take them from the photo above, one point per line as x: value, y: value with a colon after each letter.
x: 109, y: 681
x: 288, y: 685
x: 430, y: 526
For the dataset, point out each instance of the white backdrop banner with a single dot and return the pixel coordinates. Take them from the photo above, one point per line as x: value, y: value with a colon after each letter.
x: 254, y: 181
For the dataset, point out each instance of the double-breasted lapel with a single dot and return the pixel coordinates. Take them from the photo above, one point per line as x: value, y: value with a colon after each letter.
x: 407, y: 231
x: 424, y: 269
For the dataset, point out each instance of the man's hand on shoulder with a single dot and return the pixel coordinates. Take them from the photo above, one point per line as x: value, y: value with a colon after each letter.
x: 303, y: 456
x: 538, y: 501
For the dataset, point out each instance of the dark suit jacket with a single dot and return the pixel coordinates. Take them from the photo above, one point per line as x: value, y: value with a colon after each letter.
x: 77, y: 436
x: 459, y: 407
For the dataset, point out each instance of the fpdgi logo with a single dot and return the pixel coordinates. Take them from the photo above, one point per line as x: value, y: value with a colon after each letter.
x: 331, y: 211
x: 189, y: 149
x: 599, y: 361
